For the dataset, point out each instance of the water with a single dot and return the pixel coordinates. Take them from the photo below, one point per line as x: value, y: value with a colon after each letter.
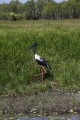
x: 72, y: 117
x: 75, y: 117
x: 67, y: 117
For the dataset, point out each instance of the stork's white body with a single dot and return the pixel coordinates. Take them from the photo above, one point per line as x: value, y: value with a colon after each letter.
x: 37, y: 57
x: 41, y: 61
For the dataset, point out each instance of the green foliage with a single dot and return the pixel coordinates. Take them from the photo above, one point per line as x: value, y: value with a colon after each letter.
x: 48, y: 10
x: 4, y: 16
x: 58, y: 43
x: 14, y: 17
x: 41, y: 9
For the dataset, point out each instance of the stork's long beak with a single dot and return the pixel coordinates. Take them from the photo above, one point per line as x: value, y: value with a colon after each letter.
x: 31, y: 47
x: 34, y: 45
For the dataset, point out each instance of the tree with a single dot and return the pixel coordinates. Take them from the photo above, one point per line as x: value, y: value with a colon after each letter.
x: 48, y: 10
x: 13, y: 6
x: 29, y: 8
x: 35, y: 9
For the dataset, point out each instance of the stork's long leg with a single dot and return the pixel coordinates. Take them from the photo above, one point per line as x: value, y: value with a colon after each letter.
x: 42, y: 73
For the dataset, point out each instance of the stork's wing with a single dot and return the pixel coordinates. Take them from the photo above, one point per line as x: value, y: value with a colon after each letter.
x: 42, y: 59
x: 46, y: 63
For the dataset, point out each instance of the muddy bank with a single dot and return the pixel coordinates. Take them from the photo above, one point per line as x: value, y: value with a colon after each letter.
x: 47, y: 103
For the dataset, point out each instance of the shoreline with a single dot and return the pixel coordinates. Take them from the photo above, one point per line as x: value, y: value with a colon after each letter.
x: 46, y: 103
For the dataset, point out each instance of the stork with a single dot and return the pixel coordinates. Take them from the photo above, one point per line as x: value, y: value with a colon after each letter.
x: 41, y: 61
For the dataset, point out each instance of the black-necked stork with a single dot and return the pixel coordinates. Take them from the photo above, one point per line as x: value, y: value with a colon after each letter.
x: 41, y: 61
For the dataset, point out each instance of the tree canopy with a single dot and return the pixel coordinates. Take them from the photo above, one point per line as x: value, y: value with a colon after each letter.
x: 40, y: 9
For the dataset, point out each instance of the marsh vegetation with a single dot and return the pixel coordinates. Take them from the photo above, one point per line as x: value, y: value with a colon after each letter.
x: 59, y: 43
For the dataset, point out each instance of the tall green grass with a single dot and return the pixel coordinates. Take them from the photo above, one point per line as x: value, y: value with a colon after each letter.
x: 58, y: 42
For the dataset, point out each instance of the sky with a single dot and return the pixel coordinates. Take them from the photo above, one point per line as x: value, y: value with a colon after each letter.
x: 23, y: 1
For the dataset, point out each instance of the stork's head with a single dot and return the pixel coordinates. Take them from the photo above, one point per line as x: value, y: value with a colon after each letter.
x: 34, y: 45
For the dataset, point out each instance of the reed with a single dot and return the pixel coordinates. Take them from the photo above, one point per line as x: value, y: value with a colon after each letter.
x: 59, y: 43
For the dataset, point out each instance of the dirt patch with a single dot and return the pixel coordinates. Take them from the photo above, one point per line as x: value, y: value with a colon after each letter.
x: 47, y: 103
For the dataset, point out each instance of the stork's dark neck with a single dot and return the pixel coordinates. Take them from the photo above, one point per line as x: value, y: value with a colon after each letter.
x: 34, y: 50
